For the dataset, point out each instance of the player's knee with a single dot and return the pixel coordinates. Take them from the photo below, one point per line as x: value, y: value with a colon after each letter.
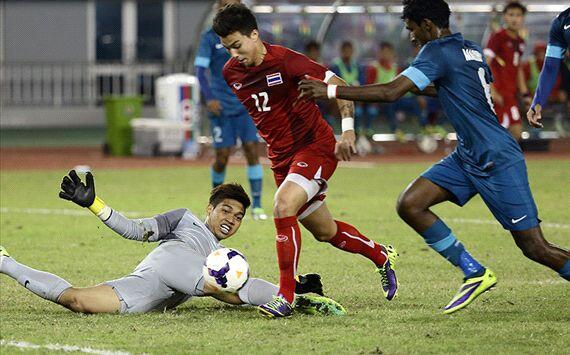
x: 75, y: 301
x: 324, y: 236
x: 221, y: 162
x: 222, y: 157
x: 406, y: 205
x: 322, y: 232
x: 282, y: 207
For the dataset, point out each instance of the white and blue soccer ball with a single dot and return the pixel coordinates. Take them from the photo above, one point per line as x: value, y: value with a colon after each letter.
x: 226, y: 269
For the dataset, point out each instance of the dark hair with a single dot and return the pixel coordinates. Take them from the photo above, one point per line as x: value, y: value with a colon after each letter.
x: 346, y: 44
x: 234, y: 18
x: 312, y: 44
x: 229, y: 191
x: 514, y: 5
x: 437, y: 11
x: 385, y: 44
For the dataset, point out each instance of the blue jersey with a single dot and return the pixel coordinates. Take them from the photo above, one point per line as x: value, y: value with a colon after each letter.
x: 213, y: 56
x: 559, y: 39
x: 461, y: 76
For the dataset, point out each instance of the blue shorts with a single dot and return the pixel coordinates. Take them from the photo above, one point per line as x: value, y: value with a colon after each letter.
x: 226, y: 129
x: 506, y: 192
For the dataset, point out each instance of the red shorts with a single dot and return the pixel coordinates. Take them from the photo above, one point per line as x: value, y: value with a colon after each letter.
x: 315, y: 163
x: 509, y: 113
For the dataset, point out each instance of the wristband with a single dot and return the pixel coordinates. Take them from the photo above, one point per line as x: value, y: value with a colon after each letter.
x: 331, y: 91
x: 347, y: 124
x: 99, y: 208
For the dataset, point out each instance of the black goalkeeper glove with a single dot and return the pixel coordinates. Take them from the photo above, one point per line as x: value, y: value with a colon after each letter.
x: 75, y: 190
x: 308, y: 283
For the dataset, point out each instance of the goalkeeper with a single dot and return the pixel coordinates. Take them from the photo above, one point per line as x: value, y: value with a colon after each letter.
x: 170, y: 274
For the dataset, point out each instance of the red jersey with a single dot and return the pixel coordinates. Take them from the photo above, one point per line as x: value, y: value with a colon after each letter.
x: 506, y: 53
x: 270, y: 95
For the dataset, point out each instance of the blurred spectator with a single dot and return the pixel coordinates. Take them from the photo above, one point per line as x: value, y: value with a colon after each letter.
x: 313, y: 50
x: 504, y: 53
x: 383, y: 71
x: 350, y: 71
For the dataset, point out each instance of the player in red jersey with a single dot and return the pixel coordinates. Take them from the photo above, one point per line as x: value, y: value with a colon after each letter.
x: 301, y: 146
x: 504, y: 55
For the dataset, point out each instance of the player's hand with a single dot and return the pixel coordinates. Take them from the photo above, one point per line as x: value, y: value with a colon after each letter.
x: 534, y: 115
x: 75, y: 190
x: 346, y: 146
x: 312, y: 88
x: 215, y: 107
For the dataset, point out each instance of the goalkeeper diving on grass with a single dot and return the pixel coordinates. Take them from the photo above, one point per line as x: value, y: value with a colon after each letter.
x: 172, y: 273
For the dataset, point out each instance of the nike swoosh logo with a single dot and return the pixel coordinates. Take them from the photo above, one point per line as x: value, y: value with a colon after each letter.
x: 26, y: 283
x: 219, y: 46
x: 566, y: 27
x: 367, y: 242
x: 515, y: 221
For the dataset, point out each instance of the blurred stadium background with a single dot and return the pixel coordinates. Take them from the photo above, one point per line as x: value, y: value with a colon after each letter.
x: 59, y: 59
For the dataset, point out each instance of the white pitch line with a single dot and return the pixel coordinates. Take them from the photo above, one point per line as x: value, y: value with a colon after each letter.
x: 64, y: 212
x: 357, y: 164
x: 134, y: 214
x: 491, y: 221
x: 59, y: 347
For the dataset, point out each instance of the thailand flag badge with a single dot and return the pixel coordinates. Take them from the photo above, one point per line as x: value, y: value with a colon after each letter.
x: 274, y: 79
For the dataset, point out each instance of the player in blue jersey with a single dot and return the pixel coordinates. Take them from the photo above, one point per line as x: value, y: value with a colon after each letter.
x: 558, y: 43
x: 229, y: 120
x: 487, y: 160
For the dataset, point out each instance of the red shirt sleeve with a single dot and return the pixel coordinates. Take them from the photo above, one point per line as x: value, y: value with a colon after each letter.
x: 493, y: 45
x: 298, y: 65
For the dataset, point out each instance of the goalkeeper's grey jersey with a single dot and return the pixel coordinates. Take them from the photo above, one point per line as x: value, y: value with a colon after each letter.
x: 178, y: 224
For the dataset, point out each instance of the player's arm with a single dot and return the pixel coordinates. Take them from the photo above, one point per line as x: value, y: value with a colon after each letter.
x: 554, y: 55
x: 146, y: 229
x: 430, y: 90
x: 346, y: 146
x: 202, y: 65
x: 388, y: 92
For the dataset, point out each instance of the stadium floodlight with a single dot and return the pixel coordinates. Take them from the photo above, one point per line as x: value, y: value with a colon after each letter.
x: 471, y: 8
x: 319, y: 9
x: 376, y: 9
x: 289, y: 9
x: 350, y: 9
x: 396, y: 9
x: 546, y: 7
x: 263, y: 9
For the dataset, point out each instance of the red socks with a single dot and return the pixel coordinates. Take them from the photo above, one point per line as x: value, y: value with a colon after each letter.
x: 349, y: 239
x: 288, y: 244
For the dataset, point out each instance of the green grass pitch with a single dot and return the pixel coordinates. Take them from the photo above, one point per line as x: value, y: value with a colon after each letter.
x: 528, y: 311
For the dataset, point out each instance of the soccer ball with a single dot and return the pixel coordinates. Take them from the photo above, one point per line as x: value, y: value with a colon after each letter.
x: 226, y: 269
x: 426, y: 143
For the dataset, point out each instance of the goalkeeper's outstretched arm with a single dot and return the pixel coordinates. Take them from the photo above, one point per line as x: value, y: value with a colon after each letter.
x: 145, y: 229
